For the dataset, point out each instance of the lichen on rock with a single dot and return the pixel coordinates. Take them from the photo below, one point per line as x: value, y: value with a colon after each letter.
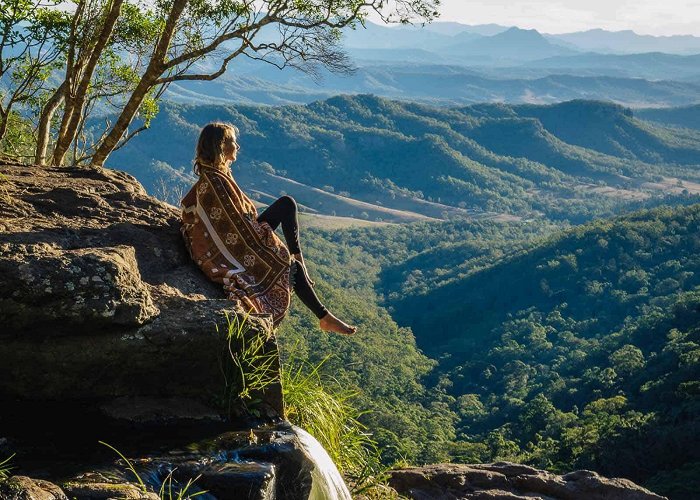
x: 87, y: 287
x: 99, y: 298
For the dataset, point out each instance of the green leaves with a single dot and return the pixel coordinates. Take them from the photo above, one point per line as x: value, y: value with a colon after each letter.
x: 137, y: 28
x: 5, y: 467
x: 249, y: 364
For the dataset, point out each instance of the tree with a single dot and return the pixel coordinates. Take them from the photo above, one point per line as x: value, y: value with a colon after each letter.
x: 627, y: 359
x: 300, y: 33
x: 142, y: 47
x: 31, y: 43
x: 90, y: 33
x: 107, y: 47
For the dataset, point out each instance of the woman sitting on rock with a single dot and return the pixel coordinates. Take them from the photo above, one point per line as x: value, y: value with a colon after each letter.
x: 238, y: 248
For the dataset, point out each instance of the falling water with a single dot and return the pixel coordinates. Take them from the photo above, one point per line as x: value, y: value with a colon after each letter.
x: 173, y: 470
x: 327, y: 482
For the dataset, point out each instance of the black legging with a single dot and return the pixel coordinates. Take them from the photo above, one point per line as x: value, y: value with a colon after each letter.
x: 284, y: 211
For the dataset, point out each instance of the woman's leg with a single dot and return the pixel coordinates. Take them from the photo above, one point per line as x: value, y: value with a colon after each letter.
x: 327, y: 320
x: 306, y: 294
x: 284, y: 211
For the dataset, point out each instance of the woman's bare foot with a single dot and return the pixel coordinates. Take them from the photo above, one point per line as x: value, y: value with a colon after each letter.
x: 330, y: 323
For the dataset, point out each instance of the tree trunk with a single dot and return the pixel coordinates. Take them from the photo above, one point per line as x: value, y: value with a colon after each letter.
x: 72, y: 119
x: 153, y: 72
x: 4, y: 118
x: 44, y: 131
x: 71, y: 72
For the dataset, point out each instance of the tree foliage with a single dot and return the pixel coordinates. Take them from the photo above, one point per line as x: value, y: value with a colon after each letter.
x: 563, y: 349
x: 122, y: 54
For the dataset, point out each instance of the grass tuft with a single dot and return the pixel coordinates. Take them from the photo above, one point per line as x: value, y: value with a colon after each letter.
x: 181, y: 493
x: 129, y: 465
x: 325, y: 410
x: 248, y: 368
x: 6, y: 467
x: 169, y: 490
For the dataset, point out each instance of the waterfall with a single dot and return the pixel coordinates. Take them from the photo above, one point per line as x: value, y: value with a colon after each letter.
x: 225, y: 470
x: 327, y: 483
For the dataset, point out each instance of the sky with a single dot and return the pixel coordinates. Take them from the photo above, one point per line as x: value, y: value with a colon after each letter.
x: 652, y: 17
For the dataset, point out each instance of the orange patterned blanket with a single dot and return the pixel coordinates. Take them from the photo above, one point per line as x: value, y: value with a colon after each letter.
x: 224, y: 238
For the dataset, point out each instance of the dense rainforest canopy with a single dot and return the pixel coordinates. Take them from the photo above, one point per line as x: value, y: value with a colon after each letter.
x: 578, y: 349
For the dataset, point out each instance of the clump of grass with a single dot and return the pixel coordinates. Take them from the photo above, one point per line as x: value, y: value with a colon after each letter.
x: 6, y: 467
x: 181, y: 492
x: 129, y: 465
x: 325, y: 410
x: 248, y: 368
x: 168, y: 490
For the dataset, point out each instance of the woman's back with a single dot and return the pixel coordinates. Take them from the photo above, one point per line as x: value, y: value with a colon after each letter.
x: 232, y: 248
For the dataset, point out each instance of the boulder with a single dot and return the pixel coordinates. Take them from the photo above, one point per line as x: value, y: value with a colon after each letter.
x: 99, y: 287
x: 100, y: 302
x: 254, y: 481
x: 86, y: 490
x: 508, y: 481
x: 25, y: 488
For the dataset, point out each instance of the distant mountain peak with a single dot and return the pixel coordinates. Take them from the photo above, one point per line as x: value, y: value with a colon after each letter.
x: 515, y: 31
x: 515, y: 35
x: 629, y: 41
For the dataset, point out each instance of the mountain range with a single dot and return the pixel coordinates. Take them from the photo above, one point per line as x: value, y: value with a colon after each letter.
x: 445, y: 34
x: 374, y: 159
x: 449, y: 63
x: 448, y: 84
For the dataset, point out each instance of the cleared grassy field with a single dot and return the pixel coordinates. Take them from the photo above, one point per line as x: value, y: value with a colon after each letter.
x: 268, y: 187
x: 334, y: 222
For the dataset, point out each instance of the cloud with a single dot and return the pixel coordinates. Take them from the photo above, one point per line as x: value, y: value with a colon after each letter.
x: 558, y: 16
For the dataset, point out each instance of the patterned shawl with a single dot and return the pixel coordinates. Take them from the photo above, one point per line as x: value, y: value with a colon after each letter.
x: 221, y: 232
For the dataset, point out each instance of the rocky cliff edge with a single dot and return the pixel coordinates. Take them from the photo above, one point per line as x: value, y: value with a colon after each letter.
x: 100, y: 302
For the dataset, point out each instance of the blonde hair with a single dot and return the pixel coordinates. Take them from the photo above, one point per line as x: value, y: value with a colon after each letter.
x: 210, y: 150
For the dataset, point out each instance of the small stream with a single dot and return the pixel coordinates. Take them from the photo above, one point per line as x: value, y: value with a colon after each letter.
x: 228, y: 473
x: 261, y: 461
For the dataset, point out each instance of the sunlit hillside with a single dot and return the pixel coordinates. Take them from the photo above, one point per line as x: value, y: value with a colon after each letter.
x: 378, y: 160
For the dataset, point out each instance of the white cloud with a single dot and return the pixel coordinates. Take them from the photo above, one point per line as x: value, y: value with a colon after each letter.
x: 653, y: 17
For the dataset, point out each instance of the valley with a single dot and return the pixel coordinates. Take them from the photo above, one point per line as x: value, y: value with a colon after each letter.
x: 452, y: 237
x: 511, y: 218
x: 372, y: 159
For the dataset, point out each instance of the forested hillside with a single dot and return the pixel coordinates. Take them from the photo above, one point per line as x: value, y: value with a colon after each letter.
x: 411, y: 417
x: 558, y: 345
x: 522, y: 161
x: 684, y: 117
x: 580, y: 350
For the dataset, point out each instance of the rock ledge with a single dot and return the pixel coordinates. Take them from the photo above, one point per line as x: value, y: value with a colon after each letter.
x: 509, y: 481
x: 99, y: 299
